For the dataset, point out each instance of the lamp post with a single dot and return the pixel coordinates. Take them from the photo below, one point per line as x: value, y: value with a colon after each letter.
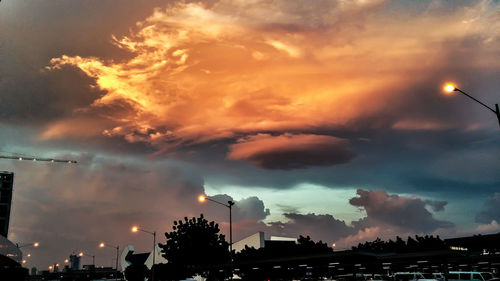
x: 81, y: 254
x: 449, y: 88
x: 136, y: 229
x: 32, y: 244
x: 229, y: 205
x: 102, y: 245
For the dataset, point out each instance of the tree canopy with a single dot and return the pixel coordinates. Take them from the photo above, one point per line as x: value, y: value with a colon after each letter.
x: 420, y: 243
x: 195, y: 246
x: 136, y: 272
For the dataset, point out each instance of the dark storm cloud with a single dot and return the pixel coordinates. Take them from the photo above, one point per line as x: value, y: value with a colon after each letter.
x: 320, y: 227
x: 491, y: 210
x: 437, y: 206
x: 73, y: 207
x: 404, y: 212
x: 33, y: 32
x: 288, y: 151
x: 247, y: 209
x: 70, y: 207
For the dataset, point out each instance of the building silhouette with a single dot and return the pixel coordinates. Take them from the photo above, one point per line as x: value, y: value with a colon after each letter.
x: 6, y: 186
x: 74, y: 261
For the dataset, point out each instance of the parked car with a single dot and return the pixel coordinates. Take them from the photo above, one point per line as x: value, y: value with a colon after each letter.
x: 435, y: 275
x: 411, y: 276
x: 469, y: 276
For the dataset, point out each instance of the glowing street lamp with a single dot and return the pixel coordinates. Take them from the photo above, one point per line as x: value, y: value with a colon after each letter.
x: 202, y: 198
x: 81, y: 254
x: 137, y: 229
x: 32, y: 244
x: 103, y: 245
x: 450, y: 88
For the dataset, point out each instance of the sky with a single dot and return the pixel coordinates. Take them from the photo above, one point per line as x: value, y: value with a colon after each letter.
x: 324, y: 118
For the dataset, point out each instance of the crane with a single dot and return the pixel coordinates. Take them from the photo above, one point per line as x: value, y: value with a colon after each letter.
x: 33, y: 158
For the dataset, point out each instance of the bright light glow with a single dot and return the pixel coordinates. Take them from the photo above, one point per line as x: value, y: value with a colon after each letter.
x: 135, y: 229
x: 57, y: 264
x: 24, y: 261
x: 449, y: 88
x: 202, y: 198
x: 81, y: 254
x: 28, y: 255
x: 333, y: 245
x: 102, y: 245
x: 50, y: 267
x: 36, y: 244
x: 66, y: 261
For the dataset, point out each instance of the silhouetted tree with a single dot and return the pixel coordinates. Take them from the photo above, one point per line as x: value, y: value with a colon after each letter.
x: 419, y: 244
x: 196, y: 247
x: 274, y: 262
x: 136, y: 272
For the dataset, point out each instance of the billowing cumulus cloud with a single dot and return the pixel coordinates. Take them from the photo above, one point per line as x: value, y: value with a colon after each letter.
x: 320, y: 227
x: 203, y: 72
x: 408, y: 213
x: 387, y: 216
x: 289, y: 151
x: 491, y: 210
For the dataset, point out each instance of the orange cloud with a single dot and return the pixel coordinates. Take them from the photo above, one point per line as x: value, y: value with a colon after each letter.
x: 199, y: 72
x: 290, y: 151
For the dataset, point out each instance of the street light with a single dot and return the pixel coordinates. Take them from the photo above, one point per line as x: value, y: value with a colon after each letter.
x: 102, y: 245
x: 450, y: 88
x: 32, y: 244
x: 81, y: 254
x: 136, y: 229
x: 203, y: 198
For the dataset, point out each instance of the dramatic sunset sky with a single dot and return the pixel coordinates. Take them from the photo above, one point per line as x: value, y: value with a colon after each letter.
x: 317, y: 117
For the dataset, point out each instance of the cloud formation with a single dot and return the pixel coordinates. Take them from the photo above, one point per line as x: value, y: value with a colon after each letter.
x: 73, y: 207
x: 407, y: 213
x: 289, y: 151
x: 185, y: 84
x: 491, y: 210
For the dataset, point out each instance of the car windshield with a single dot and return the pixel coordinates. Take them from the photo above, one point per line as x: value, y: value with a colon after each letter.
x: 487, y: 276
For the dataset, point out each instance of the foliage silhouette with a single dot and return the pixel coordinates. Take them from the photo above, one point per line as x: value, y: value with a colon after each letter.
x: 195, y: 247
x: 136, y: 272
x: 419, y: 244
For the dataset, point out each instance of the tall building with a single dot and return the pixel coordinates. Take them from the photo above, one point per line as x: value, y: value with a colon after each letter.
x: 6, y: 185
x: 74, y: 261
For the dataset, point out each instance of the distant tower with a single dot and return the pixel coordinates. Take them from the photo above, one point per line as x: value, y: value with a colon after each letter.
x: 6, y: 185
x: 74, y: 261
x: 34, y: 271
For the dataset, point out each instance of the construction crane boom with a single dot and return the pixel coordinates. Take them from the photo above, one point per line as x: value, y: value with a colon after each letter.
x: 53, y: 160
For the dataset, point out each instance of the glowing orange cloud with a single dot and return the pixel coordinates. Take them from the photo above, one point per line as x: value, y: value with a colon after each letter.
x: 200, y: 73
